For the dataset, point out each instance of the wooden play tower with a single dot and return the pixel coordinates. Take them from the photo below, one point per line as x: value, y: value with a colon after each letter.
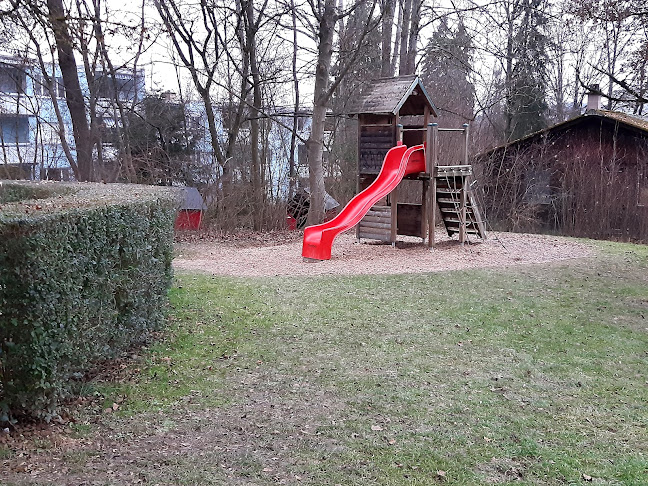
x: 397, y: 110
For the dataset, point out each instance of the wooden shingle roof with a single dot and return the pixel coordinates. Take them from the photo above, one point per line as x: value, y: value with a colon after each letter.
x: 633, y: 121
x: 637, y: 124
x: 403, y: 94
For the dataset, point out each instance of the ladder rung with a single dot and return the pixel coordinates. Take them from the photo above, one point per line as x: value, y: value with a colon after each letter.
x: 456, y: 220
x: 448, y: 200
x: 455, y: 211
x: 454, y: 230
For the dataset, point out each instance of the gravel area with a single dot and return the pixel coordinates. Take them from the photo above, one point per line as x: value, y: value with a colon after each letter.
x: 277, y: 258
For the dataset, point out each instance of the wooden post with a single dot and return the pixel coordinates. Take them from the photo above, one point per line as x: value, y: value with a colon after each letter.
x: 433, y: 145
x: 424, y: 208
x: 464, y: 190
x: 465, y: 147
x: 393, y: 199
x: 462, y: 212
x: 428, y: 149
x: 360, y: 123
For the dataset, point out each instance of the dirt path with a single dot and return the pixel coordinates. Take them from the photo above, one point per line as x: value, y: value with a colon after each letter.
x: 349, y: 257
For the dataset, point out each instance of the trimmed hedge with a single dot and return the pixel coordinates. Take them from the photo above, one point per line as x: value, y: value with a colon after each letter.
x: 84, y: 274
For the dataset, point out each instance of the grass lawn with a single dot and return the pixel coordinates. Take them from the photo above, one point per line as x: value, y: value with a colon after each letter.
x: 535, y: 374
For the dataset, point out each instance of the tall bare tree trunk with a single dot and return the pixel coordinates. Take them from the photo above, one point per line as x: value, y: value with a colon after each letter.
x: 412, y: 44
x: 315, y: 144
x: 508, y: 88
x: 73, y: 94
x: 404, y: 37
x: 388, y: 9
x: 255, y: 167
x: 292, y: 173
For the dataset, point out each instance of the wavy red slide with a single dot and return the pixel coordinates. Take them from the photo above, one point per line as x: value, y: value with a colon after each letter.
x: 399, y: 162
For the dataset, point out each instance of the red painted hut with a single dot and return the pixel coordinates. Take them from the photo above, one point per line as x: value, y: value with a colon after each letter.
x: 191, y: 212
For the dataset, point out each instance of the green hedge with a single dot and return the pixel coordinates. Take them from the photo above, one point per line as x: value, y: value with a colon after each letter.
x: 84, y: 274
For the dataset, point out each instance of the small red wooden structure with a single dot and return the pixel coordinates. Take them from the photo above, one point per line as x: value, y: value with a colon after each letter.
x: 190, y: 215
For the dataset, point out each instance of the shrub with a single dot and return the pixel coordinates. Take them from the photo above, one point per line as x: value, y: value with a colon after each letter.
x: 84, y: 275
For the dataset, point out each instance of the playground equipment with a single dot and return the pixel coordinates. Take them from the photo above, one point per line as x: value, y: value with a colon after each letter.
x: 390, y: 126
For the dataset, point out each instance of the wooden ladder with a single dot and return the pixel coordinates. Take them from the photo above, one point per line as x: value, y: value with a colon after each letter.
x: 456, y: 202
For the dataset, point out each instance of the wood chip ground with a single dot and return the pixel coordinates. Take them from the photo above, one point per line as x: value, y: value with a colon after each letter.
x: 265, y: 258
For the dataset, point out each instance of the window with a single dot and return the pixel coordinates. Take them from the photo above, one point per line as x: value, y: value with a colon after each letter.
x: 14, y: 129
x: 12, y: 79
x: 229, y: 112
x: 60, y: 87
x: 40, y: 88
x: 37, y: 85
x: 125, y: 85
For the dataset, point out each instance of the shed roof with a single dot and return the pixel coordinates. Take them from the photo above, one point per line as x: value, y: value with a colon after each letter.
x: 403, y: 94
x: 634, y: 121
x: 193, y: 200
x: 631, y: 122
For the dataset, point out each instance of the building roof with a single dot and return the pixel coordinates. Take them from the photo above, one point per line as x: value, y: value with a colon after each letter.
x: 631, y: 120
x: 403, y: 94
x: 634, y: 123
x: 193, y: 201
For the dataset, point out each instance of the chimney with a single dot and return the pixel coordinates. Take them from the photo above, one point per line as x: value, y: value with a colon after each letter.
x: 594, y: 97
x: 168, y: 96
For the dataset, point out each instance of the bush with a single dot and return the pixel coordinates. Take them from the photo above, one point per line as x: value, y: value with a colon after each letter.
x: 84, y: 275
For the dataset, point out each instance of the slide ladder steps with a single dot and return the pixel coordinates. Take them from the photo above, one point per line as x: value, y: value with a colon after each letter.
x: 451, y: 182
x: 376, y: 224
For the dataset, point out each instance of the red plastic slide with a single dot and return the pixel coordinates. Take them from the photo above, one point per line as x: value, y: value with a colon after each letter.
x: 399, y: 162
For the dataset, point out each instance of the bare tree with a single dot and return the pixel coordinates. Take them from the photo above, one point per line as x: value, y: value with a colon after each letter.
x: 327, y: 15
x: 57, y: 18
x: 388, y: 8
x: 618, y: 22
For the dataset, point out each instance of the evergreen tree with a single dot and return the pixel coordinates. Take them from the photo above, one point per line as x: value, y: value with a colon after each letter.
x: 446, y: 68
x: 526, y: 91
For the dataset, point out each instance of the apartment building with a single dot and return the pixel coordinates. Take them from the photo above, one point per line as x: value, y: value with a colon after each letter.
x: 34, y: 118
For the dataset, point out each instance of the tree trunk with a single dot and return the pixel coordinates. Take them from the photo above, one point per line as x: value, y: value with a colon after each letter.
x: 73, y: 94
x: 255, y: 163
x: 386, y: 69
x: 508, y: 88
x: 292, y: 173
x: 399, y: 29
x: 315, y: 144
x: 404, y: 37
x: 412, y: 46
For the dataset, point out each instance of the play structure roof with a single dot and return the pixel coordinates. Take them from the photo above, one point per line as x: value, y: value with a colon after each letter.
x: 404, y: 95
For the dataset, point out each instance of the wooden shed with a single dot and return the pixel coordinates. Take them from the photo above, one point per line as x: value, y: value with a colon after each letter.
x: 584, y: 177
x: 190, y: 215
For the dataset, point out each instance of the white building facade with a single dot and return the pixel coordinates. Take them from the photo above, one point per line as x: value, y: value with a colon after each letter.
x: 34, y: 118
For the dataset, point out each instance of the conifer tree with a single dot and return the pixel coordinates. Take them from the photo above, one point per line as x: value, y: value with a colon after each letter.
x: 446, y: 69
x: 526, y: 103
